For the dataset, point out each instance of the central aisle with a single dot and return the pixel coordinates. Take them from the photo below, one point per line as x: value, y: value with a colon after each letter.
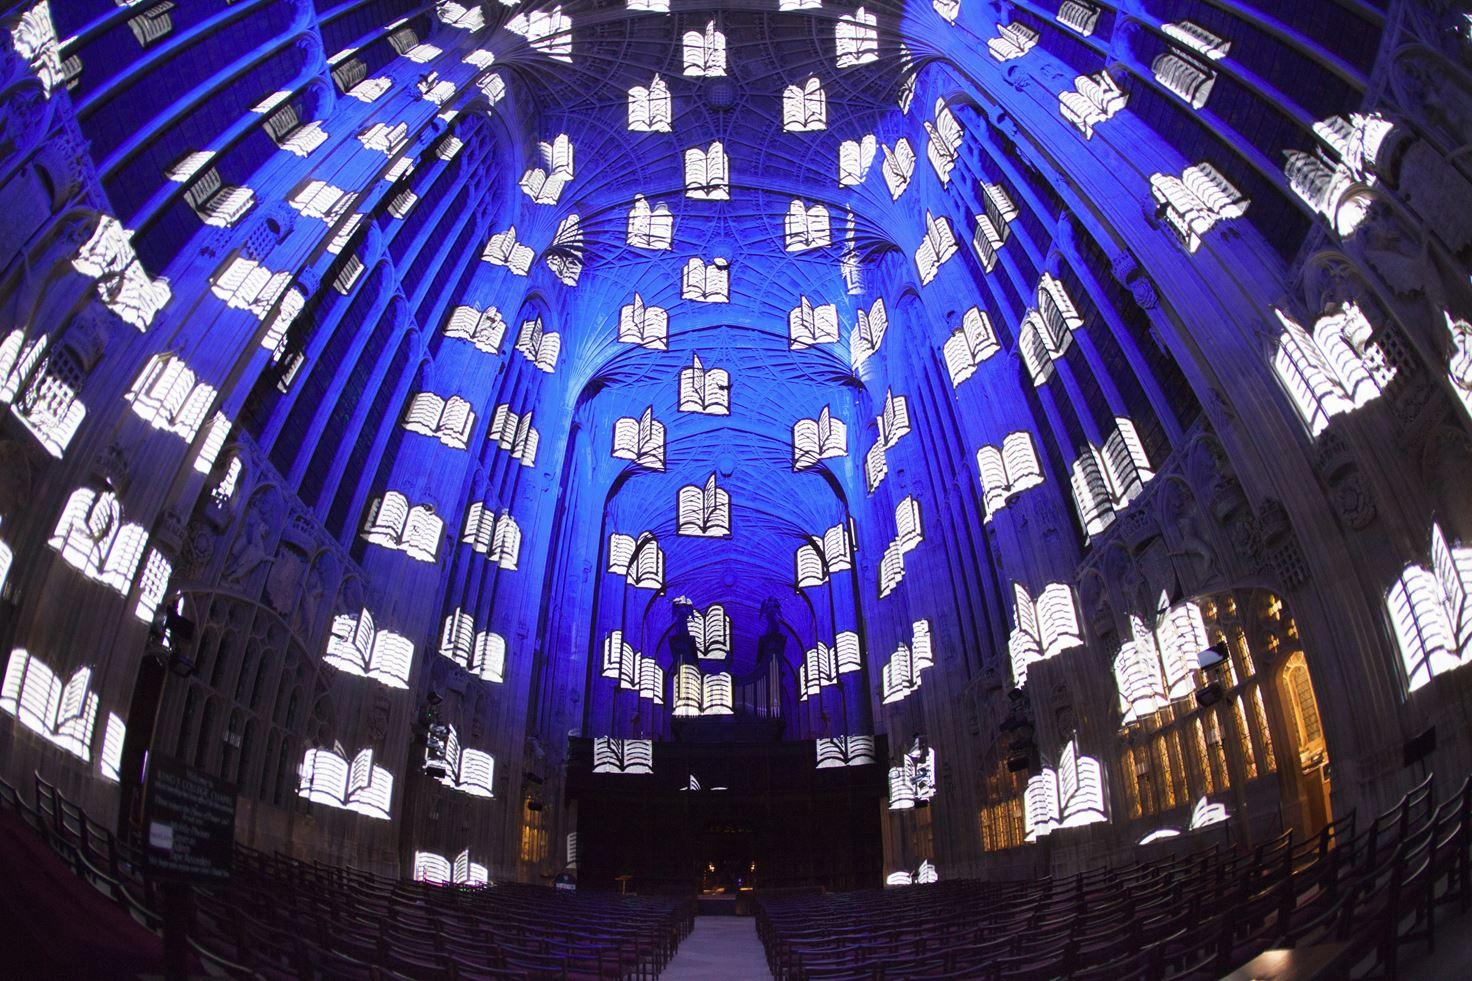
x: 723, y: 947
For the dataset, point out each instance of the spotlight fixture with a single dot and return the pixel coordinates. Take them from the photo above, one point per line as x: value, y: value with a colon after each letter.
x: 1211, y: 661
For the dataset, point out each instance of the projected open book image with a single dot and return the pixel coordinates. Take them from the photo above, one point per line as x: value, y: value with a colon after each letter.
x: 823, y: 555
x: 711, y: 631
x: 62, y: 710
x: 470, y: 771
x: 701, y: 694
x: 640, y: 440
x: 358, y: 648
x: 414, y: 530
x: 461, y: 871
x: 703, y: 389
x: 704, y: 512
x: 845, y: 751
x: 640, y: 560
x: 823, y: 663
x: 613, y: 755
x: 328, y: 777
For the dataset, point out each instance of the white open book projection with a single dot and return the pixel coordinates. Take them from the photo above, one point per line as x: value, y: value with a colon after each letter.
x: 63, y: 711
x: 321, y: 200
x: 643, y: 325
x: 650, y: 107
x: 544, y: 184
x: 705, y: 52
x: 470, y: 771
x: 1194, y: 203
x: 943, y: 145
x: 972, y: 341
x: 1107, y: 478
x: 855, y: 157
x: 923, y: 876
x: 357, y: 646
x: 438, y: 870
x: 804, y: 107
x: 902, y: 675
x: 703, y: 511
x: 818, y: 439
x: 384, y: 138
x: 808, y: 325
x: 1094, y: 99
x: 711, y: 631
x: 1335, y: 369
x: 448, y: 420
x: 705, y: 390
x: 822, y: 555
x: 613, y: 755
x: 1007, y: 470
x: 697, y: 693
x: 168, y: 396
x: 47, y: 386
x: 122, y: 284
x: 898, y: 167
x: 153, y: 583
x: 414, y: 530
x: 650, y: 227
x: 823, y: 663
x: 494, y: 534
x: 640, y: 440
x: 938, y: 245
x: 547, y: 31
x: 94, y: 539
x: 1081, y: 16
x: 912, y: 780
x: 564, y: 255
x: 245, y: 284
x: 1431, y: 612
x: 504, y: 250
x: 481, y: 652
x: 538, y: 345
x: 1154, y: 667
x: 640, y: 561
x: 1185, y: 66
x: 1043, y: 627
x: 33, y: 37
x: 948, y: 10
x: 707, y: 173
x: 483, y: 328
x: 993, y: 225
x: 893, y: 420
x: 806, y: 227
x: 706, y: 282
x: 908, y: 536
x: 857, y: 38
x: 514, y: 433
x: 1047, y: 329
x: 632, y: 670
x: 1203, y: 815
x: 1068, y: 797
x: 361, y: 786
x: 869, y: 329
x: 834, y: 751
x: 1012, y: 41
x: 110, y: 759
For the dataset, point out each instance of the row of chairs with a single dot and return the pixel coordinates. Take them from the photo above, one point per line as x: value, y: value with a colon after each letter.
x: 283, y: 918
x: 1371, y: 890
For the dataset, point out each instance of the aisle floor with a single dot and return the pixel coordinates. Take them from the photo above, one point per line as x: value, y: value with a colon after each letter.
x: 720, y: 947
